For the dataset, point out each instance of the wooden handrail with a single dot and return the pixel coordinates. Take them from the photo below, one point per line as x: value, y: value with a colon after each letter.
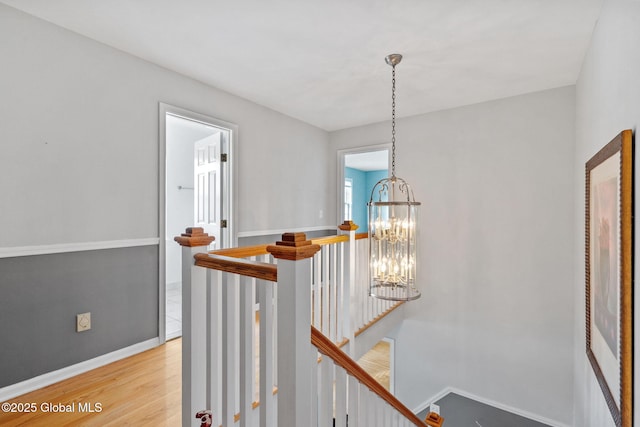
x: 340, y: 358
x: 259, y: 270
x: 328, y: 240
x: 242, y: 252
x: 362, y: 236
x: 257, y: 250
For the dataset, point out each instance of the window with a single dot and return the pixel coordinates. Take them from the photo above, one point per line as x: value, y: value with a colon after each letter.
x: 348, y: 198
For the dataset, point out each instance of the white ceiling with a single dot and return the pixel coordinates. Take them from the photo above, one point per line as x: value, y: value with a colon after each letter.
x: 189, y: 130
x: 323, y: 61
x: 368, y: 161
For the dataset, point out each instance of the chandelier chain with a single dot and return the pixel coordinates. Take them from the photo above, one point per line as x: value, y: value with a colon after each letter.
x: 393, y: 122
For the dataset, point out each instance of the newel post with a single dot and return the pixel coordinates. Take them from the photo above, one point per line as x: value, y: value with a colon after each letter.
x: 194, y: 324
x: 295, y: 353
x: 349, y: 228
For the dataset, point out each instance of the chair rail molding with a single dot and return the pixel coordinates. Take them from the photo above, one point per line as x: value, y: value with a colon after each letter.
x: 56, y: 248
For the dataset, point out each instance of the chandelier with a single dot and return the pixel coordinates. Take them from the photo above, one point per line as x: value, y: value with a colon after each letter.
x: 393, y: 214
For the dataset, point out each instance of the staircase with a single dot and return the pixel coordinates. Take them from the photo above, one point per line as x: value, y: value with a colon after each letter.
x: 295, y: 366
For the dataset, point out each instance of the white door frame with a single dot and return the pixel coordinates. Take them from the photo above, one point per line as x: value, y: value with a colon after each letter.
x: 340, y: 189
x: 392, y: 364
x: 229, y: 237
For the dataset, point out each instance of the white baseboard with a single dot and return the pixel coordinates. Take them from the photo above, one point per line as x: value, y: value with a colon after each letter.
x: 517, y: 411
x: 18, y: 389
x: 424, y: 405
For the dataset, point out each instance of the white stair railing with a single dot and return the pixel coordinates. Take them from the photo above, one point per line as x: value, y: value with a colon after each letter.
x: 349, y: 395
x: 332, y: 277
x: 256, y: 368
x: 219, y: 329
x: 365, y: 310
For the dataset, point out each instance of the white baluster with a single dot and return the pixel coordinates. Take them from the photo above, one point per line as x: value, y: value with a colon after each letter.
x: 349, y: 296
x: 365, y: 407
x: 267, y: 406
x: 364, y: 283
x: 388, y: 417
x: 325, y: 290
x: 231, y: 347
x: 340, y: 290
x: 355, y: 294
x: 314, y: 387
x: 395, y: 418
x: 274, y: 340
x: 341, y: 397
x: 375, y: 303
x: 381, y: 407
x: 353, y: 403
x: 317, y: 291
x: 325, y: 392
x: 334, y: 307
x: 247, y: 353
x: 391, y: 419
x: 370, y: 309
x: 214, y: 343
x: 376, y: 411
x: 372, y: 411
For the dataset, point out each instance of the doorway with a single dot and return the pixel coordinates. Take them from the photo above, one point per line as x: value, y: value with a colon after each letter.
x: 359, y: 170
x: 195, y: 190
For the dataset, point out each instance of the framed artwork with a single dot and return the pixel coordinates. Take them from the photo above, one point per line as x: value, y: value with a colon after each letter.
x: 609, y: 273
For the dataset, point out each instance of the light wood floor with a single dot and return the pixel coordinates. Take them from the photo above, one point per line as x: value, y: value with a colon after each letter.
x: 377, y: 362
x: 142, y: 390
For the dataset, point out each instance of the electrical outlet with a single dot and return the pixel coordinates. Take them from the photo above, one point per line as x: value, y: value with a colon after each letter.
x: 83, y: 322
x: 434, y: 408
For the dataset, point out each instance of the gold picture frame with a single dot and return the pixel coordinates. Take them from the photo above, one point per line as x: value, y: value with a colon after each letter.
x: 609, y: 273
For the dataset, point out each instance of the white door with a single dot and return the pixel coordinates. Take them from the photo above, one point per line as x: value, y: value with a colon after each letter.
x: 206, y: 180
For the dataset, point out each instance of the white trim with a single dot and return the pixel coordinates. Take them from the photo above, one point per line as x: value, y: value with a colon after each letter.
x: 163, y: 109
x: 424, y: 405
x: 340, y: 163
x: 229, y: 205
x: 17, y: 251
x: 230, y: 202
x: 498, y: 405
x: 18, y: 389
x: 392, y: 364
x: 287, y: 230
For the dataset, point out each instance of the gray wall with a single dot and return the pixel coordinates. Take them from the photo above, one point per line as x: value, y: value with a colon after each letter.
x: 42, y: 294
x: 79, y: 150
x: 80, y: 143
x: 607, y: 102
x: 496, y: 185
x: 79, y: 163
